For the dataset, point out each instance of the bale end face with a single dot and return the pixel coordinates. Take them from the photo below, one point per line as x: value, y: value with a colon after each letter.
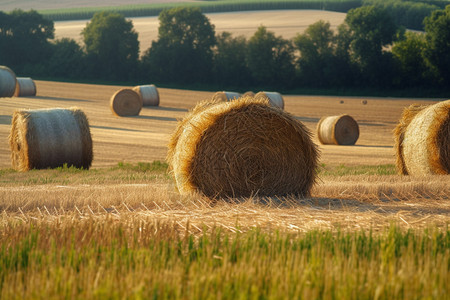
x: 338, y: 130
x: 242, y: 148
x: 126, y: 102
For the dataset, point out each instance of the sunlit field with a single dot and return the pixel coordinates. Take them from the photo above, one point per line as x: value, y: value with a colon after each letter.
x: 121, y: 230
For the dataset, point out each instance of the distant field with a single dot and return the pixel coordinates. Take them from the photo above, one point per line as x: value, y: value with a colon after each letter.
x: 64, y: 4
x: 286, y: 23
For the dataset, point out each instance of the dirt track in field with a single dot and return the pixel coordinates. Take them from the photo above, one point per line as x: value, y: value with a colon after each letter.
x: 286, y: 23
x: 145, y: 137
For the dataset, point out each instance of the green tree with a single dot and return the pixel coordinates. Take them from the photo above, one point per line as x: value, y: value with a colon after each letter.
x: 229, y: 60
x: 371, y: 29
x: 270, y: 59
x: 112, y: 46
x: 24, y: 39
x: 67, y: 59
x: 409, y: 57
x: 437, y: 52
x: 183, y: 52
x: 317, y: 59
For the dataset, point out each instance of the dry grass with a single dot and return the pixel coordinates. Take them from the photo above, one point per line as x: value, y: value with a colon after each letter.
x: 346, y: 202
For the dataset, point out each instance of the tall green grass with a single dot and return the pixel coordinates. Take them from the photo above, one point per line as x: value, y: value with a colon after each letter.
x: 206, y: 7
x: 113, y: 259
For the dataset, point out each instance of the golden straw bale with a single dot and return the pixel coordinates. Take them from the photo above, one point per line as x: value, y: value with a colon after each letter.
x: 275, y: 99
x: 7, y: 82
x: 338, y: 130
x: 242, y: 148
x: 50, y: 138
x: 25, y: 87
x: 248, y: 93
x: 126, y: 102
x: 422, y: 140
x: 226, y: 96
x: 148, y: 93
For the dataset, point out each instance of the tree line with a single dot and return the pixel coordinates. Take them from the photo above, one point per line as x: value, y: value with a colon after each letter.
x: 369, y: 50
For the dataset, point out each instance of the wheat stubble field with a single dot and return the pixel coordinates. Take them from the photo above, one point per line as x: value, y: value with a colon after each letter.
x: 337, y: 200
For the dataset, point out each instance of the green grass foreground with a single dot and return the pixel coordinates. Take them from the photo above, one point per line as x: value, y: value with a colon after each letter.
x: 107, y: 259
x: 144, y: 172
x: 153, y: 9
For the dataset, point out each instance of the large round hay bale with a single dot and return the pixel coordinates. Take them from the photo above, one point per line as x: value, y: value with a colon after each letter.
x: 7, y: 82
x: 242, y: 148
x: 274, y: 98
x: 338, y: 130
x: 50, y: 138
x: 148, y: 93
x: 25, y: 87
x: 226, y: 96
x: 126, y: 102
x: 422, y: 140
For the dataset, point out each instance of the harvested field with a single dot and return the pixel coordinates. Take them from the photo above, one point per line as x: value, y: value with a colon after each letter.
x: 286, y: 23
x: 145, y: 137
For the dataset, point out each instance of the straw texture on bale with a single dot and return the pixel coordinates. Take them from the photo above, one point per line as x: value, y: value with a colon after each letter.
x: 50, y: 138
x: 25, y: 87
x: 225, y: 96
x: 275, y: 99
x: 148, y: 93
x: 7, y: 82
x: 242, y: 148
x: 126, y: 102
x: 422, y: 140
x: 338, y: 130
x: 249, y: 94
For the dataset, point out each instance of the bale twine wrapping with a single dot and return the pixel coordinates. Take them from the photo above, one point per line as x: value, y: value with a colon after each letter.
x: 274, y: 98
x: 50, y: 138
x: 225, y: 96
x: 148, y: 93
x: 338, y: 130
x: 422, y: 140
x: 242, y: 148
x: 7, y: 82
x: 25, y: 87
x: 126, y: 102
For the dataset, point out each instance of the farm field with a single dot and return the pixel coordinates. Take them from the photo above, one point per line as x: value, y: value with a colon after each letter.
x: 286, y: 23
x: 50, y: 4
x: 121, y: 230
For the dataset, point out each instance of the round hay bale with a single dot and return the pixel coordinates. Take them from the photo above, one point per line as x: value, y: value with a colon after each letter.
x: 338, y: 130
x: 248, y: 94
x: 148, y: 93
x: 242, y: 148
x: 25, y: 87
x: 422, y: 140
x: 7, y: 82
x: 50, y: 138
x: 126, y: 102
x: 225, y: 96
x: 275, y: 99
